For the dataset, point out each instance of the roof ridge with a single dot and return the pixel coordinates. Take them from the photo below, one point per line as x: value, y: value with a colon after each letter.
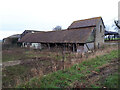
x: 63, y: 30
x: 88, y: 19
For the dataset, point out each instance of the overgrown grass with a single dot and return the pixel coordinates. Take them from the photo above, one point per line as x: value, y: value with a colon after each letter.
x: 112, y: 81
x: 11, y: 74
x: 14, y: 54
x: 65, y: 78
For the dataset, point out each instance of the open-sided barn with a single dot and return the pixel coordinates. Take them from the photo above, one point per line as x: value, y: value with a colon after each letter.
x: 81, y: 36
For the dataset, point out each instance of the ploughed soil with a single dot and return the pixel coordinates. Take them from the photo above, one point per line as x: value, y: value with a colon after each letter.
x: 97, y: 78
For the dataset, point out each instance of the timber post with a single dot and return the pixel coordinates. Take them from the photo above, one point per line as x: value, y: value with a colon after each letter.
x: 48, y: 45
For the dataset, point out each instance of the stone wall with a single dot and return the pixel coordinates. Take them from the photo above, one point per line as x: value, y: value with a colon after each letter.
x: 99, y: 35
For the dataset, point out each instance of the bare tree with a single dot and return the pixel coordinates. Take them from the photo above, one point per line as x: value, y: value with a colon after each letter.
x: 117, y: 23
x: 115, y: 26
x: 107, y: 27
x: 57, y: 28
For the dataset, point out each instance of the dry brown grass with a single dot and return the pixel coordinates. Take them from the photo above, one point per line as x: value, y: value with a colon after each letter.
x: 78, y: 59
x: 43, y: 62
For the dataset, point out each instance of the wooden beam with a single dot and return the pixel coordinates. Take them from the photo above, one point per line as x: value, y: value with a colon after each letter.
x: 48, y: 45
x: 87, y: 47
x: 73, y: 47
x: 55, y: 45
x: 64, y: 46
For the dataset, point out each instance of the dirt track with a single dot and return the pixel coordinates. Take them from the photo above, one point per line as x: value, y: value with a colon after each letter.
x: 11, y: 63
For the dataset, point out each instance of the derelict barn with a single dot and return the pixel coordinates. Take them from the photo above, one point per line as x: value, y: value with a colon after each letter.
x: 81, y: 36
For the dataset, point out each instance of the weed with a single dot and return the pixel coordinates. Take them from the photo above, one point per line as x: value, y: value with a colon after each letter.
x: 13, y: 74
x: 63, y: 78
x: 112, y: 81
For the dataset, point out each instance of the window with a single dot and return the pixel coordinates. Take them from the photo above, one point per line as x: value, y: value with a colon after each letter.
x: 100, y: 28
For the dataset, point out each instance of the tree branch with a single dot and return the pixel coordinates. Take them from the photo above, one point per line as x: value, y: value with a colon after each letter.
x: 116, y: 23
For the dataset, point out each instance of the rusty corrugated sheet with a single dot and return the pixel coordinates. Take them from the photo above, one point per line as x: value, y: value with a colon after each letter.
x: 63, y: 36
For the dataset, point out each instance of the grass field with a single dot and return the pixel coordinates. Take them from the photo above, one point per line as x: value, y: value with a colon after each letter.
x: 33, y: 63
x: 37, y: 68
x: 14, y: 54
x: 77, y: 73
x: 112, y: 81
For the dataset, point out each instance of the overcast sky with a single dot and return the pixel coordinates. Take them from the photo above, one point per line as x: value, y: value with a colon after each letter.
x: 19, y: 15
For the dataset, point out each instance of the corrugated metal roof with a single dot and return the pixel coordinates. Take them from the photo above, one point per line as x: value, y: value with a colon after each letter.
x: 64, y: 36
x: 85, y: 23
x: 111, y: 33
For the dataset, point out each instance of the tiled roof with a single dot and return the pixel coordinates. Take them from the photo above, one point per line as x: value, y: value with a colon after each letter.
x: 85, y: 23
x: 64, y: 36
